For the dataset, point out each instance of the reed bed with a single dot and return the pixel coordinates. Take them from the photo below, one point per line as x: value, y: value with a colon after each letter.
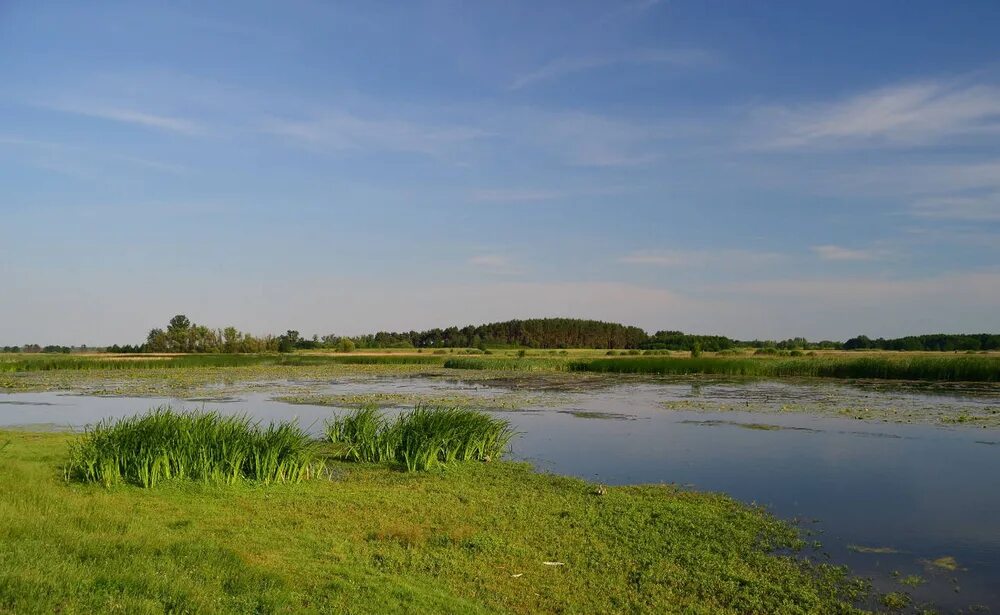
x: 507, y: 364
x: 163, y: 445
x: 421, y: 439
x: 944, y: 369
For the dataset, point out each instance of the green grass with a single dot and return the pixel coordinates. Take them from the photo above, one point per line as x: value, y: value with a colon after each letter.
x: 949, y: 368
x: 469, y: 539
x: 507, y: 364
x: 421, y: 439
x: 32, y: 363
x: 943, y: 368
x: 162, y: 444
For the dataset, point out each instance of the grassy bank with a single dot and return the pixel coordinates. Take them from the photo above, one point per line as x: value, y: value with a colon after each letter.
x: 478, y: 537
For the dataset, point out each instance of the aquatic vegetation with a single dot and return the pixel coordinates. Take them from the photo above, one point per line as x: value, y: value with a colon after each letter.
x: 946, y: 562
x: 163, y: 444
x: 520, y: 363
x: 500, y: 401
x: 596, y: 415
x: 912, y: 580
x: 420, y: 439
x: 897, y: 412
x: 864, y: 549
x: 958, y: 368
x: 895, y: 601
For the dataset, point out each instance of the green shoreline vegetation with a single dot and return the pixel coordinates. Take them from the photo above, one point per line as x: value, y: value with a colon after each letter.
x: 942, y: 368
x: 465, y: 537
x: 162, y: 445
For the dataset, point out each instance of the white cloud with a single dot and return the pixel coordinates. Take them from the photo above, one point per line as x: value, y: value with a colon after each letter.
x: 909, y: 114
x: 344, y: 131
x: 131, y: 116
x: 561, y: 67
x: 840, y: 253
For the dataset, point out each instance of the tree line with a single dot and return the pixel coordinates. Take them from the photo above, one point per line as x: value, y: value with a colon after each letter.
x: 182, y: 335
x: 941, y: 342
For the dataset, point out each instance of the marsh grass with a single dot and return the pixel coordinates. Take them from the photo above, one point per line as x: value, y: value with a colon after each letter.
x: 959, y: 368
x: 98, y: 362
x: 163, y: 444
x: 421, y: 439
x: 507, y: 364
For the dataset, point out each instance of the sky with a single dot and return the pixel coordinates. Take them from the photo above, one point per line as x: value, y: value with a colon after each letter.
x: 752, y: 169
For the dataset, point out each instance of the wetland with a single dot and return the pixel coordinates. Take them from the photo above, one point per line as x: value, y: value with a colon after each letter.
x: 893, y: 480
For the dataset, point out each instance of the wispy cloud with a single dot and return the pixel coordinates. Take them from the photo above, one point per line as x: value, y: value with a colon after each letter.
x: 345, y: 131
x: 831, y: 252
x: 532, y: 195
x: 131, y: 116
x: 561, y: 67
x: 984, y: 207
x: 73, y: 152
x: 908, y: 114
x: 591, y: 140
x: 865, y: 291
x: 699, y: 258
x: 517, y: 196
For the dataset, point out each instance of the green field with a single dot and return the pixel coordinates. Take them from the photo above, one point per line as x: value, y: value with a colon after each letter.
x: 474, y: 537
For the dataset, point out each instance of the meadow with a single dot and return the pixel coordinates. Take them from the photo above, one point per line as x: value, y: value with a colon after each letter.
x: 466, y: 537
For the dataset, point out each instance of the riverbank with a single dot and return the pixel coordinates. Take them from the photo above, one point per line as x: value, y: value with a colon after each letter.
x: 495, y: 537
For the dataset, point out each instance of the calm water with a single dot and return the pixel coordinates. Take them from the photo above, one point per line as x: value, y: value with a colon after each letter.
x: 926, y: 492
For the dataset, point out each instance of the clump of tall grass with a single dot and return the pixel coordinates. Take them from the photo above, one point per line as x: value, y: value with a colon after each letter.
x: 421, y: 439
x: 163, y: 444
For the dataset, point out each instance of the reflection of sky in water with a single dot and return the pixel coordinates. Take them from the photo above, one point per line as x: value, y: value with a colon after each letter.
x: 926, y: 491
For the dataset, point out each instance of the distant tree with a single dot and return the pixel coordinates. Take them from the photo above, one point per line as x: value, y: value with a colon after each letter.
x: 231, y: 340
x: 346, y: 345
x: 287, y: 342
x: 158, y: 341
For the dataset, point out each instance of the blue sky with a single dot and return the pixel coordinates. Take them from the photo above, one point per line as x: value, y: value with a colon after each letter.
x: 752, y: 169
